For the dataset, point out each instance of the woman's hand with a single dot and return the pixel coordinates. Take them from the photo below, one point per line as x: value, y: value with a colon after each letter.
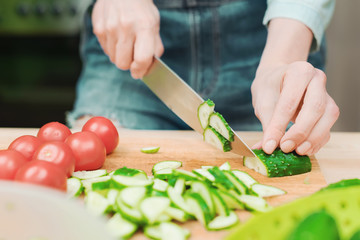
x: 293, y: 92
x: 128, y: 32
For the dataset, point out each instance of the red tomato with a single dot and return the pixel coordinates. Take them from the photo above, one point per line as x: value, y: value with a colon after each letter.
x: 89, y: 150
x: 53, y: 131
x: 10, y: 162
x: 105, y: 130
x: 58, y: 153
x: 42, y: 173
x: 26, y: 145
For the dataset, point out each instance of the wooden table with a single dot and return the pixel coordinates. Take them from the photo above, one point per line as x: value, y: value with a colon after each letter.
x: 339, y: 159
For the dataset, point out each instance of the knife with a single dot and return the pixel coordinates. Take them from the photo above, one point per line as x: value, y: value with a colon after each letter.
x: 183, y: 100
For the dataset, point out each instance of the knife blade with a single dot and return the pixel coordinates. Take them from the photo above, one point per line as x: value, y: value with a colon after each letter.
x: 183, y: 100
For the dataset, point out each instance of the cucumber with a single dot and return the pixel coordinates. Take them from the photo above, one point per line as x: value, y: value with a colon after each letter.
x: 178, y: 200
x: 153, y: 207
x: 266, y: 190
x: 204, y: 174
x: 221, y: 180
x: 164, y: 174
x: 198, y: 208
x: 97, y: 204
x: 179, y: 186
x: 150, y: 149
x: 203, y: 190
x: 244, y: 177
x: 181, y: 173
x: 160, y: 185
x: 120, y: 182
x: 206, y: 167
x: 356, y: 236
x: 74, y: 187
x: 223, y: 222
x: 97, y: 183
x: 132, y: 196
x: 130, y: 172
x: 278, y: 164
x: 342, y: 184
x: 131, y: 214
x: 171, y: 231
x: 239, y: 185
x: 204, y: 111
x: 153, y: 231
x: 214, y: 138
x: 120, y: 228
x: 90, y: 174
x: 218, y: 122
x: 166, y: 165
x: 254, y: 203
x: 177, y: 214
x: 221, y: 208
x: 316, y: 226
x: 225, y: 166
x: 111, y: 196
x: 231, y: 201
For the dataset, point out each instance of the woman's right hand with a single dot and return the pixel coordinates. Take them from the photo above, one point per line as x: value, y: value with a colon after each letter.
x: 128, y: 32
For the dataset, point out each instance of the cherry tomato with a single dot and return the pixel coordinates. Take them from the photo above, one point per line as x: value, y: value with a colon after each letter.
x: 105, y: 130
x: 10, y: 162
x: 26, y: 145
x: 42, y: 173
x: 58, y: 153
x: 53, y: 131
x: 89, y: 150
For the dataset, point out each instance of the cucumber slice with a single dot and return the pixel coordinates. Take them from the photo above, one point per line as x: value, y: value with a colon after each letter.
x: 130, y: 172
x: 178, y: 200
x: 160, y: 185
x: 98, y: 183
x: 244, y: 177
x: 74, y: 187
x: 120, y: 181
x: 153, y: 207
x: 120, y: 228
x: 111, y: 196
x: 150, y: 149
x: 199, y: 208
x: 225, y: 166
x: 164, y: 174
x: 204, y: 111
x: 214, y: 138
x: 231, y: 201
x: 177, y: 214
x: 278, y: 164
x: 97, y: 204
x: 206, y: 167
x: 204, y: 173
x: 239, y: 186
x: 266, y: 190
x: 131, y: 214
x: 221, y: 181
x: 172, y: 231
x: 90, y: 174
x: 218, y: 122
x: 221, y: 207
x: 181, y: 173
x: 166, y: 165
x: 179, y: 186
x: 153, y: 232
x: 203, y: 190
x: 254, y: 203
x: 132, y: 196
x: 223, y: 222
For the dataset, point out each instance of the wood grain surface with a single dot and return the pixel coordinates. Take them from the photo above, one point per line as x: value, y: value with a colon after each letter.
x: 188, y: 147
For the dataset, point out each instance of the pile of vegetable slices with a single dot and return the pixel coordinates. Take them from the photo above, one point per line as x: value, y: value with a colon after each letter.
x: 134, y: 200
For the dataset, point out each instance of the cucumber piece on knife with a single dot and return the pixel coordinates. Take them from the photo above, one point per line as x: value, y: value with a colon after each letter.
x: 204, y: 111
x: 216, y: 139
x: 223, y: 222
x: 278, y: 164
x: 166, y: 165
x: 266, y: 190
x: 218, y: 122
x: 120, y: 228
x: 74, y: 187
x: 150, y: 149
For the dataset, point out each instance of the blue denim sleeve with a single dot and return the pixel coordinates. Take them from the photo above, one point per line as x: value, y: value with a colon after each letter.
x: 315, y: 15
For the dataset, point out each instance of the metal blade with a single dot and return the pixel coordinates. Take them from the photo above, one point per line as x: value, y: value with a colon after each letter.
x: 182, y: 100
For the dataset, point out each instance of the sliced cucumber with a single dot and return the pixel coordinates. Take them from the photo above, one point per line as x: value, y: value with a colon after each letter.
x: 231, y: 201
x: 90, y: 174
x: 244, y: 177
x: 203, y: 190
x: 97, y: 204
x: 254, y: 203
x: 225, y: 166
x: 172, y: 231
x: 221, y: 207
x: 214, y: 138
x: 181, y: 173
x: 204, y: 111
x: 206, y: 167
x: 74, y: 187
x: 204, y: 173
x: 239, y: 186
x: 164, y: 174
x: 153, y: 231
x: 131, y: 214
x: 120, y: 228
x: 278, y: 164
x: 218, y: 122
x: 98, y: 183
x: 199, y: 208
x: 178, y: 200
x: 223, y: 222
x: 266, y: 190
x: 160, y: 185
x: 179, y: 186
x: 132, y: 196
x: 166, y: 165
x: 111, y: 196
x: 120, y: 181
x: 177, y: 214
x: 153, y: 207
x: 130, y: 172
x: 221, y: 179
x: 150, y: 149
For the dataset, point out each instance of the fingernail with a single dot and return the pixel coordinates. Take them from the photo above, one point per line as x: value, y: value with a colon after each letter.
x: 288, y: 146
x: 304, y: 147
x: 270, y: 146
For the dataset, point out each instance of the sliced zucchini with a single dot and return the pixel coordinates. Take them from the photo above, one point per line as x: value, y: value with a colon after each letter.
x: 120, y: 181
x: 120, y: 228
x: 166, y: 165
x: 160, y: 185
x: 218, y: 122
x: 90, y: 174
x: 150, y: 149
x: 132, y: 196
x: 203, y: 190
x: 254, y: 203
x: 244, y: 177
x: 204, y: 111
x: 221, y: 207
x: 225, y: 166
x: 223, y: 222
x: 214, y: 138
x: 74, y: 187
x: 198, y: 207
x: 278, y: 164
x: 97, y: 204
x: 153, y: 207
x: 266, y: 190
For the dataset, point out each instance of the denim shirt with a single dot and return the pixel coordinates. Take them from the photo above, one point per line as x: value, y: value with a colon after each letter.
x: 214, y: 45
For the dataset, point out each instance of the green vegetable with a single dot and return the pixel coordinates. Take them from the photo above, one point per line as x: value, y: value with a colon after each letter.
x: 204, y: 111
x: 120, y: 228
x: 223, y: 222
x: 216, y: 139
x: 218, y: 122
x: 278, y: 164
x: 356, y: 236
x: 74, y: 187
x: 342, y: 184
x: 150, y: 149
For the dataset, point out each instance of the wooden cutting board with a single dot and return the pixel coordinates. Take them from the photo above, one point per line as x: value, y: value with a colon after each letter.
x: 189, y: 148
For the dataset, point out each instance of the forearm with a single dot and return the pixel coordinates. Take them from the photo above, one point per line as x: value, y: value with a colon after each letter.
x: 288, y: 41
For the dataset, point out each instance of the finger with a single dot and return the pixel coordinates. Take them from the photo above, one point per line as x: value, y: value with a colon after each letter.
x: 159, y: 47
x: 143, y: 53
x: 295, y: 81
x: 99, y: 24
x: 320, y: 134
x: 111, y: 32
x: 312, y: 109
x: 257, y: 145
x: 125, y: 50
